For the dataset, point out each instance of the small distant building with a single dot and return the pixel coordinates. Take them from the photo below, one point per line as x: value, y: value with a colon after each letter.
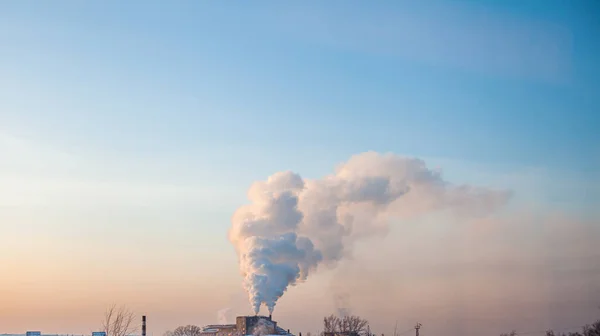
x: 340, y: 333
x: 219, y: 330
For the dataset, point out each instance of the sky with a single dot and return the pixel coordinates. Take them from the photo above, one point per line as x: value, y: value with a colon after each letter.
x: 130, y: 133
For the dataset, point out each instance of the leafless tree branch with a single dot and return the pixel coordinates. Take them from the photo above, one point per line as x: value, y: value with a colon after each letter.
x: 188, y: 330
x: 346, y: 325
x: 119, y: 321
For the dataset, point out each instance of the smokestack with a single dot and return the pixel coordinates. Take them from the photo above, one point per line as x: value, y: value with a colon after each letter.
x: 144, y: 325
x: 270, y: 317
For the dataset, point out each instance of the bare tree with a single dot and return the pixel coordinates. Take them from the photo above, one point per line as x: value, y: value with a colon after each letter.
x: 188, y: 330
x: 330, y: 324
x: 592, y: 330
x: 119, y: 321
x: 354, y: 325
x: 347, y: 325
x: 587, y: 330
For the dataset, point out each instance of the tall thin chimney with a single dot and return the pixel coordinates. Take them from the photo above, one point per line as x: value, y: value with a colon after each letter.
x: 270, y: 317
x: 144, y: 325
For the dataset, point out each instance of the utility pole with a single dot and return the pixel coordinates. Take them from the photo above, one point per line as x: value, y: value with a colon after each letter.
x: 417, y: 327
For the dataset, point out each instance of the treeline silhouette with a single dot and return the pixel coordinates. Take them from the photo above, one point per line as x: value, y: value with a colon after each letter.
x: 587, y: 330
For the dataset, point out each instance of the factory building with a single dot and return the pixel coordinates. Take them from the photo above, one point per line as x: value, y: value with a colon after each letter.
x: 219, y: 330
x: 245, y: 325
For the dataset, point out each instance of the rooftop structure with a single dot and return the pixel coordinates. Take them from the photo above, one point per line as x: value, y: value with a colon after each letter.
x: 245, y: 325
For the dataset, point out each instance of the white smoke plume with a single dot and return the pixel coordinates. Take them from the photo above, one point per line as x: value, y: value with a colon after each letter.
x: 263, y: 327
x: 222, y: 315
x: 341, y: 302
x: 293, y: 225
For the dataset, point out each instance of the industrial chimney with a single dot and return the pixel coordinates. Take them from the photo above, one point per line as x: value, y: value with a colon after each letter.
x: 144, y: 325
x: 270, y: 317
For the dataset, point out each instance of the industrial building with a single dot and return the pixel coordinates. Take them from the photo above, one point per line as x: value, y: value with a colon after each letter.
x: 246, y: 325
x: 219, y: 330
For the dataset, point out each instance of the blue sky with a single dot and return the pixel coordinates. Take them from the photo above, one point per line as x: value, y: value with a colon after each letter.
x: 181, y: 105
x: 142, y: 78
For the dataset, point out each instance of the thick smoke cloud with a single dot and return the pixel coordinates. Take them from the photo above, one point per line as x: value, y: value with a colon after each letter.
x: 293, y: 225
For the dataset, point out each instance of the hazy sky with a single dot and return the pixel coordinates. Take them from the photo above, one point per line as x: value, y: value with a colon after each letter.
x: 131, y: 131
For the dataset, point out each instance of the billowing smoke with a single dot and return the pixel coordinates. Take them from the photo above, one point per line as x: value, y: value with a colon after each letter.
x: 293, y: 225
